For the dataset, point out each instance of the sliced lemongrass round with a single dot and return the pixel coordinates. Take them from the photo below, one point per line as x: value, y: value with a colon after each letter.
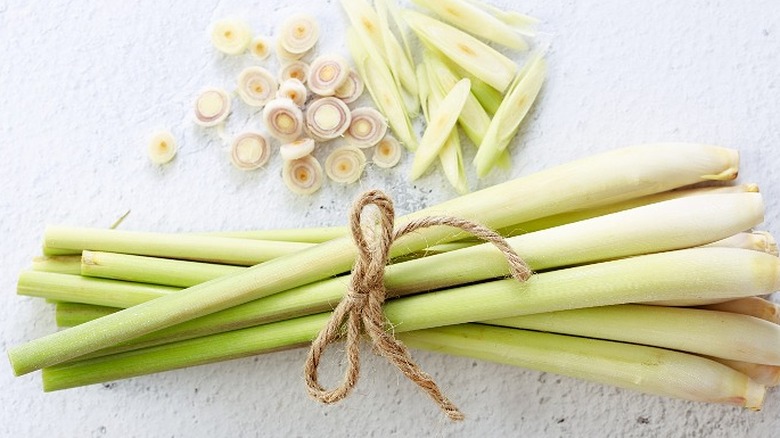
x: 294, y: 70
x: 162, y: 147
x: 249, y: 150
x: 283, y: 119
x: 367, y: 127
x: 230, y: 36
x: 303, y: 176
x: 294, y: 90
x: 256, y: 86
x: 296, y: 149
x: 283, y: 54
x: 345, y: 164
x: 260, y: 46
x: 327, y: 73
x: 212, y: 107
x: 387, y: 152
x: 299, y: 33
x: 327, y: 118
x: 351, y: 89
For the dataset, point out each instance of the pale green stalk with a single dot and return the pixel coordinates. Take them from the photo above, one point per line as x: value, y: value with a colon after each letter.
x: 305, y: 235
x: 768, y: 375
x: 755, y: 240
x: 521, y: 22
x: 70, y: 264
x: 598, y: 180
x: 754, y: 306
x: 400, y: 65
x: 70, y: 314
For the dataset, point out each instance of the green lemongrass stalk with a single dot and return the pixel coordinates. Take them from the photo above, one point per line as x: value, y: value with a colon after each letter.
x: 475, y: 21
x: 640, y: 368
x: 304, y: 235
x: 521, y: 22
x: 767, y: 375
x: 70, y: 264
x: 506, y: 122
x: 469, y: 53
x: 598, y: 180
x: 755, y: 240
x: 753, y: 306
x: 399, y: 63
x: 706, y: 332
x: 70, y: 314
x: 488, y: 97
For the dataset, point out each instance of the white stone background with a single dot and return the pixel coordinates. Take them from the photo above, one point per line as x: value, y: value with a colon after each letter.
x: 83, y: 84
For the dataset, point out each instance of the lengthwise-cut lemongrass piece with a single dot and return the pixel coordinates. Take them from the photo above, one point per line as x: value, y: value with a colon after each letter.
x: 440, y: 126
x: 469, y: 53
x: 521, y: 22
x: 754, y: 306
x: 644, y: 369
x: 710, y: 271
x: 598, y: 180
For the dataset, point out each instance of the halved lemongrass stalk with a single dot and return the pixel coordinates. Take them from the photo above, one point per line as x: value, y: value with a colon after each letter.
x: 303, y: 176
x: 327, y: 118
x: 401, y: 66
x: 451, y: 159
x: 294, y: 70
x: 367, y: 128
x: 326, y: 74
x: 463, y: 49
x: 256, y: 86
x: 387, y: 152
x: 475, y: 21
x: 283, y: 119
x: 755, y: 240
x: 383, y: 7
x: 299, y: 33
x: 423, y: 88
x: 161, y: 147
x: 379, y: 81
x: 285, y: 55
x: 768, y: 375
x: 511, y: 112
x: 345, y: 164
x: 296, y: 149
x: 212, y: 107
x: 365, y: 22
x: 230, y: 36
x: 70, y: 314
x: 645, y: 369
x: 521, y: 22
x: 439, y: 128
x: 488, y: 97
x: 249, y: 150
x: 69, y: 264
x: 720, y: 334
x: 718, y: 272
x: 294, y: 90
x: 351, y: 89
x: 753, y: 306
x: 594, y: 181
x: 260, y: 47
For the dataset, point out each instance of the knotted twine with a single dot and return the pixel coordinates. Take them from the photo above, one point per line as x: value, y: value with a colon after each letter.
x: 361, y: 308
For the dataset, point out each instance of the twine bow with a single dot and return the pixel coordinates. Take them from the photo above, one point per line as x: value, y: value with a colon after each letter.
x: 361, y: 308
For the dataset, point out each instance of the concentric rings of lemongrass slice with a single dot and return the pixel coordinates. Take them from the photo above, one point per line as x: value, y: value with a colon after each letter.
x: 161, y: 147
x: 294, y: 90
x: 327, y: 118
x: 294, y: 70
x: 303, y: 176
x: 260, y: 47
x: 387, y: 153
x: 256, y: 86
x: 367, y: 127
x: 351, y: 89
x: 283, y: 119
x: 326, y: 74
x: 296, y: 149
x: 230, y: 36
x: 299, y: 33
x: 249, y: 150
x: 283, y: 54
x: 345, y: 164
x: 212, y: 107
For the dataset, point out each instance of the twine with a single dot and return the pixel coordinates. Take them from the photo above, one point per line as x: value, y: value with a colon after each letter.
x: 361, y: 308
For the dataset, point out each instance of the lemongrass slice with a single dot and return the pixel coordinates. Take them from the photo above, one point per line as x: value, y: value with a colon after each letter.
x: 230, y: 36
x: 327, y: 118
x: 283, y: 119
x: 283, y: 54
x: 260, y: 47
x: 351, y: 89
x: 327, y: 73
x: 256, y: 86
x: 249, y: 151
x: 294, y: 70
x: 387, y: 152
x: 345, y: 164
x: 212, y: 107
x: 296, y: 149
x: 367, y: 128
x: 303, y: 176
x: 299, y: 33
x: 162, y: 147
x: 294, y: 90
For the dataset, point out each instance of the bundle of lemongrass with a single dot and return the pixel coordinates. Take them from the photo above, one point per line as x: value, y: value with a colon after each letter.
x: 638, y: 284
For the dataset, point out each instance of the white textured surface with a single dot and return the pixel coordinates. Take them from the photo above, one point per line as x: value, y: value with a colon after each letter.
x: 82, y: 84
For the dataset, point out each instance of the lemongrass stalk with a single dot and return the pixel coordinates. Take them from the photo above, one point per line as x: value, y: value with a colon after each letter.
x: 598, y: 180
x: 70, y: 314
x: 397, y: 60
x: 383, y: 7
x: 521, y: 22
x: 640, y: 368
x: 755, y: 240
x: 754, y: 306
x: 720, y: 334
x: 305, y: 235
x: 767, y: 375
x: 488, y: 97
x: 70, y: 264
